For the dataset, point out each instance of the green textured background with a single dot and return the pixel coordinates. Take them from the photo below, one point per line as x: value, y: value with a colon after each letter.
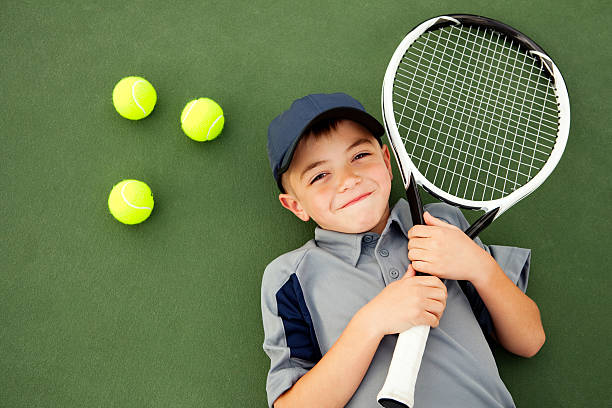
x: 166, y: 314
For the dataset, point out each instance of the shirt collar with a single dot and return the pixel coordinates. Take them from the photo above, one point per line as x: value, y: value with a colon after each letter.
x: 348, y: 246
x: 402, y: 216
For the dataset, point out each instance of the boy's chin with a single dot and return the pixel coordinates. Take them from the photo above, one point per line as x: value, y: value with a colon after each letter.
x: 353, y: 226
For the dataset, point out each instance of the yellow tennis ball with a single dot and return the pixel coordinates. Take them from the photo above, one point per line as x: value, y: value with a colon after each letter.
x: 130, y: 201
x: 134, y: 97
x: 202, y: 119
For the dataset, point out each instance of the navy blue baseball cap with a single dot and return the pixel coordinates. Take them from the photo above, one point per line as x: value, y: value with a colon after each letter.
x: 286, y: 130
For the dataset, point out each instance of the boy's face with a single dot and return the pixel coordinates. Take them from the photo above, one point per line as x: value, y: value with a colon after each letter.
x: 342, y: 180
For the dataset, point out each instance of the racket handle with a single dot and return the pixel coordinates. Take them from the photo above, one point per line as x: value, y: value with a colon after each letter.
x: 398, y: 390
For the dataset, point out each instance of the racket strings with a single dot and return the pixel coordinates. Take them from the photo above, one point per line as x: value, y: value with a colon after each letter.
x: 498, y: 57
x: 488, y: 49
x: 477, y: 113
x: 552, y: 113
x: 462, y: 73
x: 546, y: 143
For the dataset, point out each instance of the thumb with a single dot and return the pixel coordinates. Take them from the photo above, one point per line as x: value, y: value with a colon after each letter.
x: 410, y: 272
x: 431, y: 220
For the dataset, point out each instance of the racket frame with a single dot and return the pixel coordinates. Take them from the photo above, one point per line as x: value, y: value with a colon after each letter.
x: 493, y: 208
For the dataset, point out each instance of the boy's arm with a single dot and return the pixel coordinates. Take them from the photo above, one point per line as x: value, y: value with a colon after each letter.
x: 443, y: 250
x: 412, y: 300
x: 515, y: 316
x: 332, y: 382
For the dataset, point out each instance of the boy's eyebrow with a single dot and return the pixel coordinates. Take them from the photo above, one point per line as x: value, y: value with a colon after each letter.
x: 359, y: 142
x: 312, y: 166
x: 318, y: 163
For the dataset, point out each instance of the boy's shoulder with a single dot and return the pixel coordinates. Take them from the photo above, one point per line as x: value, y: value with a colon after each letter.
x: 283, y: 266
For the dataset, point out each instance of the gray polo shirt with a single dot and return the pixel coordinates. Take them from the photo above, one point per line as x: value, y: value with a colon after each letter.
x: 309, y: 295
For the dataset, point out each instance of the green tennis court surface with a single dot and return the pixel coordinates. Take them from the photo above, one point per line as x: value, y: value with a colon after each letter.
x: 94, y: 313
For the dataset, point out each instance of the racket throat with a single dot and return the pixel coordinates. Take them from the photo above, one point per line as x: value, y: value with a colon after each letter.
x: 414, y: 199
x: 481, y: 223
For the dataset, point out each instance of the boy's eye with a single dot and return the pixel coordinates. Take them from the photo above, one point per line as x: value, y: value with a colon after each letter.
x: 318, y: 177
x: 361, y: 155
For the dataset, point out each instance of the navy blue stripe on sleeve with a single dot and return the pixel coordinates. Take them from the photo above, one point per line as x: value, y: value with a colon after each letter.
x: 480, y: 311
x: 299, y: 330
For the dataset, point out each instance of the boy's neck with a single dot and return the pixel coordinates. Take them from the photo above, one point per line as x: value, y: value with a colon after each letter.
x: 380, y: 227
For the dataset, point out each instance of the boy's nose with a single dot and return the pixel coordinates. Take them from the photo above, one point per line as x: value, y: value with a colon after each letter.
x: 348, y: 179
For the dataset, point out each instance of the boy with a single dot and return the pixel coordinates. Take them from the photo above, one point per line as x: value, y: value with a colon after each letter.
x: 332, y: 308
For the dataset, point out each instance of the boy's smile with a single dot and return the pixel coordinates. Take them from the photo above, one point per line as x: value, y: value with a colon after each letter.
x: 341, y: 179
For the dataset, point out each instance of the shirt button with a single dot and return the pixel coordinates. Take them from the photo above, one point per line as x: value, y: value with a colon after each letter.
x: 383, y: 252
x: 394, y: 273
x: 367, y: 238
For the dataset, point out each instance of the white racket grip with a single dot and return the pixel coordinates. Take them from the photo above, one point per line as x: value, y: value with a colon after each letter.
x: 404, y: 368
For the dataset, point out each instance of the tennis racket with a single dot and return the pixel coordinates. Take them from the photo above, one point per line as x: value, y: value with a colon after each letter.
x: 478, y: 115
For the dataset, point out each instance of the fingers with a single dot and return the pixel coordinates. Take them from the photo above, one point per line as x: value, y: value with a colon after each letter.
x: 432, y: 309
x: 423, y: 267
x: 436, y: 309
x: 414, y: 301
x: 418, y: 242
x: 435, y: 288
x: 418, y: 254
x: 432, y: 320
x: 410, y: 272
x: 423, y: 260
x: 415, y: 267
x: 420, y: 231
x: 425, y: 280
x: 428, y: 281
x: 434, y: 305
x: 426, y: 231
x: 431, y: 287
x: 431, y: 220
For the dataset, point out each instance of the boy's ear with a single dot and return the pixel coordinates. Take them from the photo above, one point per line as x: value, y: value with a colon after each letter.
x: 292, y: 204
x: 387, y: 158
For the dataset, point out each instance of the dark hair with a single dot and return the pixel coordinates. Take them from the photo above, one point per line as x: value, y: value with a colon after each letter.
x: 321, y: 128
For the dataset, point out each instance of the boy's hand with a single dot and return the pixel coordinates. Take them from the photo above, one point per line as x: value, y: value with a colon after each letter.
x: 411, y: 301
x: 443, y: 250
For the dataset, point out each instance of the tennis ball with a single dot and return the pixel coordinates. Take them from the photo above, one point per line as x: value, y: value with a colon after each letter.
x: 130, y: 201
x: 202, y: 119
x: 134, y: 98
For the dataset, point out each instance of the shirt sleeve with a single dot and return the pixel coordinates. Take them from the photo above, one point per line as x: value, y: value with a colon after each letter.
x: 514, y: 261
x: 285, y: 332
